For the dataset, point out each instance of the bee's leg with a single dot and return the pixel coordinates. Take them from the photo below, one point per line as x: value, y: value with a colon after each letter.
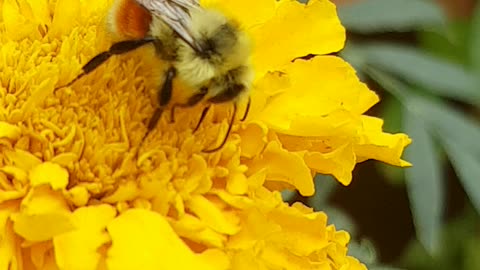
x: 247, y: 109
x: 230, y: 125
x: 164, y: 96
x: 229, y: 94
x: 117, y: 48
x: 202, y: 117
x: 192, y: 101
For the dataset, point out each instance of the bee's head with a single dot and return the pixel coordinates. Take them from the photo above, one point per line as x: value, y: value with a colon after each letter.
x: 230, y: 85
x: 221, y: 42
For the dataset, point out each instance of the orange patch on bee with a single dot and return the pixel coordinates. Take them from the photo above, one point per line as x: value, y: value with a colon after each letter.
x: 130, y: 19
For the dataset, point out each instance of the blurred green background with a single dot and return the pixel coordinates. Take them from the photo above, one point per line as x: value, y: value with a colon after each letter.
x: 423, y: 58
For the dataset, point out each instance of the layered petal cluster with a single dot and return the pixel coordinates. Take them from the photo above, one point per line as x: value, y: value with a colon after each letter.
x: 78, y: 192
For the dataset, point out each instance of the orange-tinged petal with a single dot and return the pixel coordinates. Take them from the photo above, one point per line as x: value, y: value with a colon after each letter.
x: 49, y: 173
x: 142, y: 239
x: 298, y: 30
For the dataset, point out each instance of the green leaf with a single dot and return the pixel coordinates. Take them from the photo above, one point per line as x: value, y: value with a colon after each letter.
x: 324, y: 186
x: 424, y: 179
x: 391, y: 113
x: 372, y: 16
x: 467, y: 167
x: 452, y: 45
x: 384, y: 268
x: 340, y: 218
x: 363, y: 251
x: 458, y: 133
x: 424, y: 182
x: 475, y: 40
x: 438, y: 76
x: 449, y: 124
x: 288, y: 195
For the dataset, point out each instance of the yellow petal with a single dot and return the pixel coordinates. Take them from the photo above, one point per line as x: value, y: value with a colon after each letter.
x: 78, y: 195
x: 375, y: 144
x: 39, y: 227
x: 65, y: 15
x: 11, y: 195
x: 330, y: 83
x: 49, y: 173
x: 216, y: 257
x: 23, y: 159
x: 41, y: 208
x: 329, y: 105
x: 297, y: 30
x: 16, y: 25
x: 284, y: 166
x: 339, y: 163
x: 79, y: 249
x: 212, y: 215
x: 253, y: 139
x: 196, y: 230
x: 9, y: 244
x: 242, y: 11
x: 126, y: 191
x: 17, y: 173
x: 8, y: 130
x: 64, y: 159
x: 237, y: 183
x: 142, y: 239
x: 40, y: 10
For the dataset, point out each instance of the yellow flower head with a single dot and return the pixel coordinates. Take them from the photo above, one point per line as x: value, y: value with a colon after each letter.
x: 77, y: 191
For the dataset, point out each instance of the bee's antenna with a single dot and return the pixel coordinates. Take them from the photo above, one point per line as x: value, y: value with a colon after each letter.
x: 247, y: 109
x: 202, y: 117
x: 230, y: 124
x: 117, y: 48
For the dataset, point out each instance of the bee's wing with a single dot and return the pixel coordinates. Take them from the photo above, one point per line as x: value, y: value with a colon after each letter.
x: 175, y: 13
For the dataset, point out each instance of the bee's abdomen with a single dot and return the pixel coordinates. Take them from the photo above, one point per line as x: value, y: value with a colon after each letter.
x: 129, y: 19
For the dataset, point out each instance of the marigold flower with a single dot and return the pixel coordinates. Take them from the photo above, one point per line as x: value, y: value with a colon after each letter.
x: 75, y: 195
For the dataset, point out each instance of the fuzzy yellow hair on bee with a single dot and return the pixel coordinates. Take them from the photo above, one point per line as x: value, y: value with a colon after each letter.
x: 203, y: 49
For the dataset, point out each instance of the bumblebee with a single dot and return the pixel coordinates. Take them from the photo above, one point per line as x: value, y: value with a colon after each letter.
x: 201, y: 47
